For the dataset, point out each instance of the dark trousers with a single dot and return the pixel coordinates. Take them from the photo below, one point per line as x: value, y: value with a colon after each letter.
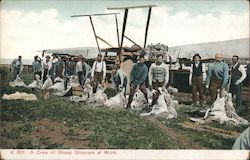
x: 66, y: 79
x: 117, y: 89
x: 98, y: 77
x: 142, y: 87
x: 45, y: 72
x: 80, y: 74
x: 197, y: 87
x: 215, y: 84
x: 16, y: 71
x: 38, y: 73
x: 155, y: 86
x: 236, y: 90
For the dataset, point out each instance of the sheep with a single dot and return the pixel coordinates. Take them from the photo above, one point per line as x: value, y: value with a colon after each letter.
x: 222, y: 110
x: 22, y: 95
x: 163, y: 106
x: 37, y: 83
x: 117, y: 101
x: 18, y: 82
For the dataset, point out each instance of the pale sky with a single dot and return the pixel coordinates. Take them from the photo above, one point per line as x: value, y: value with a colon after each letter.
x: 29, y: 26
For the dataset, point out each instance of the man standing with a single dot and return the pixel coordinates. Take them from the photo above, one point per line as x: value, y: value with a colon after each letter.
x: 158, y: 76
x: 118, y: 79
x: 16, y: 67
x: 47, y: 65
x: 70, y: 67
x: 37, y: 67
x: 98, y: 72
x: 59, y: 68
x: 54, y: 61
x: 86, y: 70
x: 238, y: 74
x: 217, y: 77
x: 196, y: 79
x: 79, y: 69
x: 138, y: 78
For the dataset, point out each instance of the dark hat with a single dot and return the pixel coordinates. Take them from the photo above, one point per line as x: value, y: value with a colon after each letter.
x: 196, y: 54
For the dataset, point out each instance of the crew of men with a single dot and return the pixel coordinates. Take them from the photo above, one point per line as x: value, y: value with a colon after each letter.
x: 216, y: 80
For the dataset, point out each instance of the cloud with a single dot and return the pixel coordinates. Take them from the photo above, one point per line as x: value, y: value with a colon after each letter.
x: 27, y: 32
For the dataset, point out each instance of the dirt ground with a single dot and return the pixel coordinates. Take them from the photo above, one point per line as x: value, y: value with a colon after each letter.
x: 47, y: 132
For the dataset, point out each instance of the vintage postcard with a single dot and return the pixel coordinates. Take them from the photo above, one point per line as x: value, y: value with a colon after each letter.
x: 125, y: 80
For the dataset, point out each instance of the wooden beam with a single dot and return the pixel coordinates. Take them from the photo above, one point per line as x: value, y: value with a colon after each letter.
x: 131, y: 7
x: 124, y: 26
x: 94, y: 34
x: 104, y: 41
x: 102, y: 14
x: 117, y: 31
x: 133, y: 42
x: 147, y: 25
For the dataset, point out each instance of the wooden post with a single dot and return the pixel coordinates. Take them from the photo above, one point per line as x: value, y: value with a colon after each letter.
x: 94, y: 34
x: 147, y: 25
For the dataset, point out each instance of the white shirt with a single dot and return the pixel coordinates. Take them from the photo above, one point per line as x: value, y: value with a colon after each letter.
x: 54, y: 60
x: 203, y: 68
x: 99, y: 67
x: 47, y: 65
x: 79, y: 66
x: 242, y: 71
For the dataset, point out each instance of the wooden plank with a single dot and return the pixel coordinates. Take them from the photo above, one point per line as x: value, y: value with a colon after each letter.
x: 132, y: 7
x: 102, y: 14
x: 212, y: 130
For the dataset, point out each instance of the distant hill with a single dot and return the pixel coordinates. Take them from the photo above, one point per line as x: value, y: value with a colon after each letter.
x: 208, y: 50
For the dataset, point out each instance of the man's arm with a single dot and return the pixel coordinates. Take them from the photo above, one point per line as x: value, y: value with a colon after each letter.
x: 225, y: 76
x: 144, y: 75
x: 121, y: 77
x: 132, y: 77
x: 150, y: 75
x: 167, y: 75
x: 104, y: 70
x: 204, y: 74
x: 190, y: 74
x: 93, y: 70
x: 208, y: 79
x: 243, y: 76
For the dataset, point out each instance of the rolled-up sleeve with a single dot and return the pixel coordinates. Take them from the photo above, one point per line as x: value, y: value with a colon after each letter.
x: 225, y: 76
x: 208, y: 76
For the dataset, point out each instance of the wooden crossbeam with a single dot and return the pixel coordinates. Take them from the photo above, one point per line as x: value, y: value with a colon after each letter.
x: 131, y: 7
x: 102, y: 14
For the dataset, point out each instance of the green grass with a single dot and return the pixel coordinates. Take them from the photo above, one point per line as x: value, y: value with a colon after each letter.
x: 115, y: 128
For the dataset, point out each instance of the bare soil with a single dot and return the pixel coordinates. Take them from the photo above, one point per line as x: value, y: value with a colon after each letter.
x: 48, y: 132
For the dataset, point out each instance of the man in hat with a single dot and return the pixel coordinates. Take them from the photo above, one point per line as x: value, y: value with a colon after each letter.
x: 47, y: 68
x: 138, y: 78
x: 70, y: 67
x: 217, y: 78
x: 37, y: 67
x: 59, y: 68
x: 86, y: 70
x: 54, y: 61
x: 158, y: 76
x: 118, y: 79
x: 16, y: 67
x: 238, y: 74
x: 197, y: 78
x: 98, y: 72
x: 79, y: 69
